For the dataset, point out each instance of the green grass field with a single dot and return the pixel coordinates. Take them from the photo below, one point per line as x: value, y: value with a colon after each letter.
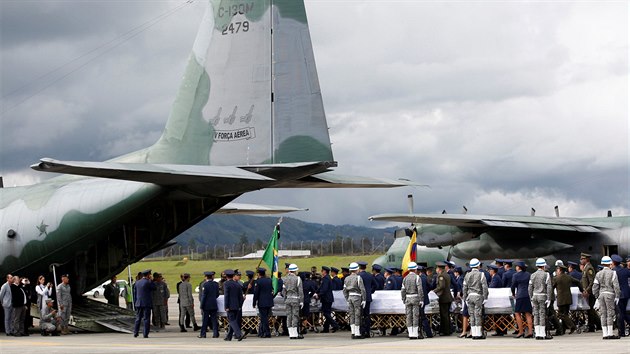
x: 172, y: 269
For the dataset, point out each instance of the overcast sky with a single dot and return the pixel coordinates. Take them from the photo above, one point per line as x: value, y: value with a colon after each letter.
x: 499, y: 106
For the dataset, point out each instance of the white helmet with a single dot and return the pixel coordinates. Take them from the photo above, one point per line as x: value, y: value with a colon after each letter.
x: 412, y: 266
x: 474, y: 263
x: 293, y: 267
x: 559, y: 262
x: 353, y: 266
x: 606, y: 260
x: 540, y: 262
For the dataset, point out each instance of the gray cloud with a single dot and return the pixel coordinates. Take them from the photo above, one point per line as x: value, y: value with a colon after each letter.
x: 498, y: 106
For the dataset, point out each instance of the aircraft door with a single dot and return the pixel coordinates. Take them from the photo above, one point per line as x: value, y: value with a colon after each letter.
x: 610, y: 250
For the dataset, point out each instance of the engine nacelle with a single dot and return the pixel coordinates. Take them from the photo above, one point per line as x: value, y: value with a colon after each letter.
x: 442, y: 235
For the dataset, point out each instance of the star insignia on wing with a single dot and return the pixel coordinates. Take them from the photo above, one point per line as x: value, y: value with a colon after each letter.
x: 42, y: 229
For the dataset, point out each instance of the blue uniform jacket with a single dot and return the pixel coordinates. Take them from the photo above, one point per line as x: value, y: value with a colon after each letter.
x: 399, y: 280
x: 380, y: 281
x: 576, y: 274
x: 370, y: 284
x: 337, y: 283
x: 263, y: 293
x: 232, y: 295
x: 390, y: 283
x: 507, y: 278
x: 425, y: 288
x: 520, y: 283
x: 144, y: 293
x: 496, y: 281
x: 209, y: 296
x: 622, y: 275
x: 325, y: 290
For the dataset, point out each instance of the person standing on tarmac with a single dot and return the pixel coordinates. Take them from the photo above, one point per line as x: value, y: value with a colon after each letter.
x: 143, y: 288
x: 293, y: 294
x: 413, y: 298
x: 186, y: 304
x: 588, y: 277
x: 355, y: 294
x: 540, y: 293
x: 606, y: 290
x: 475, y: 293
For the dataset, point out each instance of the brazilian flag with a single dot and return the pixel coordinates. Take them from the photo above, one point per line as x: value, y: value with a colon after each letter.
x: 270, y: 257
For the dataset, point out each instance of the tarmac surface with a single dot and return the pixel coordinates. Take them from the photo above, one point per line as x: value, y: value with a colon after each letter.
x: 171, y: 339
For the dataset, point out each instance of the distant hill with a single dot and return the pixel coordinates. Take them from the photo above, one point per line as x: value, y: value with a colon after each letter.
x: 230, y: 229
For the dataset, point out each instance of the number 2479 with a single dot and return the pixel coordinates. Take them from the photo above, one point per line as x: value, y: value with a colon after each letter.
x: 235, y: 27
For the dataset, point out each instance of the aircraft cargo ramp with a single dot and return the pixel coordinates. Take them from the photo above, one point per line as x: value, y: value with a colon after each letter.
x: 95, y: 316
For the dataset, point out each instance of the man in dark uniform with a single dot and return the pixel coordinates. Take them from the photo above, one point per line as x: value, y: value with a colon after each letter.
x: 380, y: 279
x: 450, y: 269
x: 496, y: 282
x: 423, y: 317
x: 588, y: 277
x: 263, y: 298
x: 248, y: 284
x: 144, y: 289
x: 309, y: 288
x: 398, y: 276
x: 431, y: 276
x: 112, y: 292
x: 523, y: 303
x: 186, y: 315
x: 623, y: 274
x: 499, y: 263
x: 233, y: 300
x: 325, y: 295
x: 445, y: 298
x: 390, y: 280
x: 574, y: 270
x: 337, y: 283
x: 562, y: 282
x: 208, y: 305
x: 508, y: 273
x: 370, y: 287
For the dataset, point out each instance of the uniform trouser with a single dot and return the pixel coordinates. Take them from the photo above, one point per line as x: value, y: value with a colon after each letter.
x: 475, y: 309
x: 143, y: 315
x: 445, y: 319
x: 327, y: 311
x: 366, y: 321
x: 607, y: 309
x: 425, y: 323
x: 47, y: 326
x: 159, y: 315
x: 623, y: 315
x: 209, y: 317
x: 8, y: 319
x: 563, y: 313
x: 412, y: 310
x: 593, y: 319
x: 17, y: 320
x: 354, y: 309
x: 186, y: 310
x: 65, y: 314
x: 539, y: 310
x: 264, y: 321
x: 293, y: 314
x: 235, y: 328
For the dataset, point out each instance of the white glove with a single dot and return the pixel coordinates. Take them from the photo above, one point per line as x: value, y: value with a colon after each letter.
x: 422, y: 304
x: 484, y: 301
x: 547, y: 303
x: 301, y: 305
x: 617, y: 301
x: 363, y: 304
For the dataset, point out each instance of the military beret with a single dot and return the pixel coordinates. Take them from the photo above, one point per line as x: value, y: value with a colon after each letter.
x: 208, y: 274
x: 250, y: 273
x: 228, y: 273
x: 333, y: 269
x: 376, y: 267
x: 326, y: 268
x: 585, y: 255
x: 616, y: 258
x: 492, y: 266
x: 520, y: 264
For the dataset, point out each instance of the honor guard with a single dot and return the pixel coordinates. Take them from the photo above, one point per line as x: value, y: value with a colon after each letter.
x: 293, y: 294
x: 336, y: 280
x: 425, y: 289
x: 540, y: 293
x: 475, y: 293
x: 209, y: 306
x: 606, y: 290
x: 588, y: 277
x: 390, y: 280
x: 263, y: 299
x: 325, y: 295
x: 562, y: 282
x: 355, y: 294
x: 378, y: 276
x: 370, y: 287
x: 574, y: 270
x: 233, y: 302
x: 413, y: 298
x: 445, y: 298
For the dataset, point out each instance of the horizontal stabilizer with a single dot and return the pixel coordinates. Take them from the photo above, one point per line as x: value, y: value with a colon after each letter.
x: 334, y: 180
x: 256, y: 209
x: 495, y: 221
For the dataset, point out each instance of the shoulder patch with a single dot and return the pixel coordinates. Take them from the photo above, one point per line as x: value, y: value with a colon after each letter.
x: 590, y: 271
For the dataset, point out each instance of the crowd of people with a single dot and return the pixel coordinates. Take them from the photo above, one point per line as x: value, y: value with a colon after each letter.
x: 461, y: 291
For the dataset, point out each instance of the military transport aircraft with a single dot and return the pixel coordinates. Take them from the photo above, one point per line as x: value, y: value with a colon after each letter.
x: 518, y: 237
x: 251, y: 58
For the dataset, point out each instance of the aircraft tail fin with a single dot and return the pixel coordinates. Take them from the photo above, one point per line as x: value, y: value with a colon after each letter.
x: 250, y: 93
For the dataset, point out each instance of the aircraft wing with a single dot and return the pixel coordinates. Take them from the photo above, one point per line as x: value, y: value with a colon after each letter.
x: 497, y: 221
x: 255, y: 209
x: 335, y: 180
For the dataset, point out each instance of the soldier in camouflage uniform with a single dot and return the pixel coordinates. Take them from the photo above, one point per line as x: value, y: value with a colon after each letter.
x: 293, y: 294
x: 540, y: 293
x: 588, y: 277
x: 160, y: 296
x: 475, y: 293
x: 413, y: 297
x: 64, y: 299
x: 606, y: 290
x: 354, y: 292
